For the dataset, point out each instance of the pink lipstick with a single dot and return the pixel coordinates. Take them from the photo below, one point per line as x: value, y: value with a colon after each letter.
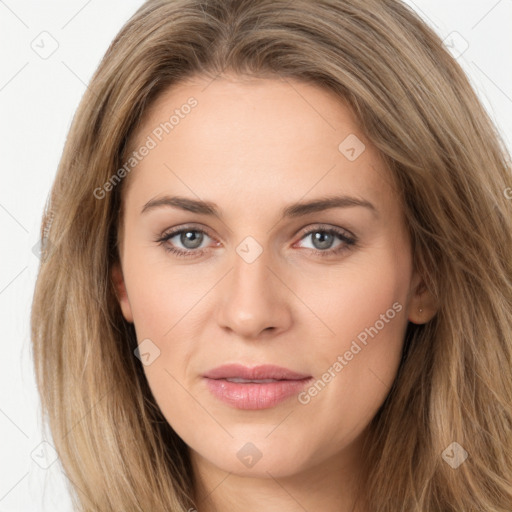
x: 258, y: 387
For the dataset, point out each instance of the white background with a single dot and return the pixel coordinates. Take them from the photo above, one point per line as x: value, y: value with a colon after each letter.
x: 38, y: 98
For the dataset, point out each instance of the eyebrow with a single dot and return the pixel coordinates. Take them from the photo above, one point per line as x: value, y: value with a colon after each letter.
x: 294, y: 210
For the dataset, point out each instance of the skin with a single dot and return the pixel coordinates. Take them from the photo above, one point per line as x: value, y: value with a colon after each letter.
x: 254, y: 146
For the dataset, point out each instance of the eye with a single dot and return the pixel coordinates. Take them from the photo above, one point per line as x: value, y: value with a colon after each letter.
x: 323, y: 238
x: 192, y: 239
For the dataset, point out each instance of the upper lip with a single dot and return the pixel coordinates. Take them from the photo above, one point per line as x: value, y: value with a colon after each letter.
x: 266, y: 371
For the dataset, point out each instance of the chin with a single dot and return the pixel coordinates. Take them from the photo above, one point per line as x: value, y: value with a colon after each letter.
x: 257, y: 459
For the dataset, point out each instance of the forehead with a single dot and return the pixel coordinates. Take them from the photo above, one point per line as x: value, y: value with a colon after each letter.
x: 264, y: 138
x: 242, y: 106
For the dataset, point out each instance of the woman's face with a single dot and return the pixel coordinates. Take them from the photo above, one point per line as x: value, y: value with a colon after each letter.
x: 278, y: 275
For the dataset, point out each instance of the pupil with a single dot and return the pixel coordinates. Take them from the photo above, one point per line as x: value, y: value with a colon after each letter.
x: 324, y: 240
x: 191, y: 236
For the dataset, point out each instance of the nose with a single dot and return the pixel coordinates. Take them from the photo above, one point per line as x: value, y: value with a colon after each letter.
x: 253, y: 299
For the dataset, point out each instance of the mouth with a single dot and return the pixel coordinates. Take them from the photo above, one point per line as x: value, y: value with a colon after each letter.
x: 260, y: 381
x: 260, y: 387
x: 254, y: 373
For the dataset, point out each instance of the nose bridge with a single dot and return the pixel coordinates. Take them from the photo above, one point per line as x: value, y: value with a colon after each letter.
x: 251, y: 274
x: 251, y: 299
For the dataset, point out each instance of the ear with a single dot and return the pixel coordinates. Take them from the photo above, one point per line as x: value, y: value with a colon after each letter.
x: 422, y: 305
x: 122, y: 295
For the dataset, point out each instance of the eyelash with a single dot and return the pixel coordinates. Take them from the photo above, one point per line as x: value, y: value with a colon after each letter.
x: 348, y: 242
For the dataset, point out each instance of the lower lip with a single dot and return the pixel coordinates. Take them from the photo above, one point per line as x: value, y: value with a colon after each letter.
x: 252, y: 395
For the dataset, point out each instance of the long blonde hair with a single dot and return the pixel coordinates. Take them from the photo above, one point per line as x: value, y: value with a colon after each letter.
x: 453, y: 169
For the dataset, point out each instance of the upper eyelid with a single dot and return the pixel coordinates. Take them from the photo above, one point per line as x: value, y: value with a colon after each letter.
x: 172, y: 232
x: 325, y: 227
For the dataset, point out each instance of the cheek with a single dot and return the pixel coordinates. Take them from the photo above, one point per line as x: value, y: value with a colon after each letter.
x: 365, y: 310
x: 162, y: 304
x: 351, y: 297
x: 160, y: 295
x: 167, y: 302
